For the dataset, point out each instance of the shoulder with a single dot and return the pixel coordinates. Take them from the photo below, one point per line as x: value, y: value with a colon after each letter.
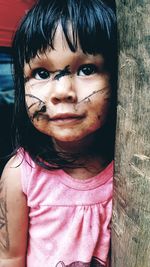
x: 13, y: 211
x: 18, y: 172
x: 10, y: 182
x: 12, y: 172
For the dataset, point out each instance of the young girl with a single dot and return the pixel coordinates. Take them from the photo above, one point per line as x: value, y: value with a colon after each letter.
x: 56, y: 191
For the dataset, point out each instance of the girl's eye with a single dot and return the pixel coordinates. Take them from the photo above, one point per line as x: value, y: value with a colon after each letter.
x: 86, y: 70
x: 40, y: 74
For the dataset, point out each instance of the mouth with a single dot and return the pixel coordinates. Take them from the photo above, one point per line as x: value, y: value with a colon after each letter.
x: 64, y: 118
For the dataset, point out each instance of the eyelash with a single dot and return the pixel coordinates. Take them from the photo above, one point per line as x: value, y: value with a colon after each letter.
x: 86, y: 69
x: 38, y: 71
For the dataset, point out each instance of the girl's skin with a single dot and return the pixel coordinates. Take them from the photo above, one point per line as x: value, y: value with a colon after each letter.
x: 72, y: 103
x: 68, y: 106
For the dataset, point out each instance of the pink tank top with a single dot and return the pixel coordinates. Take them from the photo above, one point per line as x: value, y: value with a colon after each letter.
x: 69, y: 219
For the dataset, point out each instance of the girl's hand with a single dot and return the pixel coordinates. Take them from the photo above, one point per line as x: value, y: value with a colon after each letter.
x: 13, y: 217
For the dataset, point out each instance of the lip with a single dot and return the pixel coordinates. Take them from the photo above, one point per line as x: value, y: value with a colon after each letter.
x: 66, y: 118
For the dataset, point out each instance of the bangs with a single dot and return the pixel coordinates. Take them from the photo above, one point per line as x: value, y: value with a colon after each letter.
x: 88, y: 25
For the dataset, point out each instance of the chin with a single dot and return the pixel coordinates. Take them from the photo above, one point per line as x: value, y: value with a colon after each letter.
x: 67, y: 138
x: 70, y: 138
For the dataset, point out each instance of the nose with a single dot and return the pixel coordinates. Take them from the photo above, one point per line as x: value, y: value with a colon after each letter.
x: 64, y: 91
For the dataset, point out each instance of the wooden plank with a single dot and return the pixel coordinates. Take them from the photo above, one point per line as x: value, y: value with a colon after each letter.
x: 131, y: 206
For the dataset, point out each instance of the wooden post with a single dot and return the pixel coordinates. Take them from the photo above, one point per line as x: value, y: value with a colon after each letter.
x: 131, y: 207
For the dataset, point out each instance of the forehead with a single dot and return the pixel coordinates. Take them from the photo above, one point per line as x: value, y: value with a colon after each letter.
x: 61, y: 55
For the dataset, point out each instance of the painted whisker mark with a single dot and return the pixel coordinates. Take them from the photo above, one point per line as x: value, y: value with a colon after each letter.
x: 37, y: 113
x: 33, y: 96
x: 41, y: 107
x: 93, y: 93
x: 33, y: 104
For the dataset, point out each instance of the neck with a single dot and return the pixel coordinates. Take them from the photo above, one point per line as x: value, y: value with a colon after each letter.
x: 78, y: 147
x: 88, y: 157
x: 91, y: 168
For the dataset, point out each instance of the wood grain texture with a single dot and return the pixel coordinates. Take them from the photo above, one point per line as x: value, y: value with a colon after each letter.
x: 131, y: 205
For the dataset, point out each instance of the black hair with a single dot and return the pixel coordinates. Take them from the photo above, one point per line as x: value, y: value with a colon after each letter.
x: 94, y: 26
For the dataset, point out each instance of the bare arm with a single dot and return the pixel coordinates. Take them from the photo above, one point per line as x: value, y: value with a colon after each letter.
x: 13, y: 218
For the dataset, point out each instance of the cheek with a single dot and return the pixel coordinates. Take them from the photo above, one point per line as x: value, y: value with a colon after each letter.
x: 34, y: 104
x: 96, y: 91
x: 99, y: 111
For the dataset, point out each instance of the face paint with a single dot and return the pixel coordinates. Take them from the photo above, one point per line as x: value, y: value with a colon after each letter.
x: 62, y: 73
x: 67, y: 109
x: 35, y: 97
x: 41, y: 107
x: 39, y: 113
x: 87, y: 98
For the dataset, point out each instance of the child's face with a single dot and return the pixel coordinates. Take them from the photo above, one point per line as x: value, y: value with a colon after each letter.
x: 67, y: 94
